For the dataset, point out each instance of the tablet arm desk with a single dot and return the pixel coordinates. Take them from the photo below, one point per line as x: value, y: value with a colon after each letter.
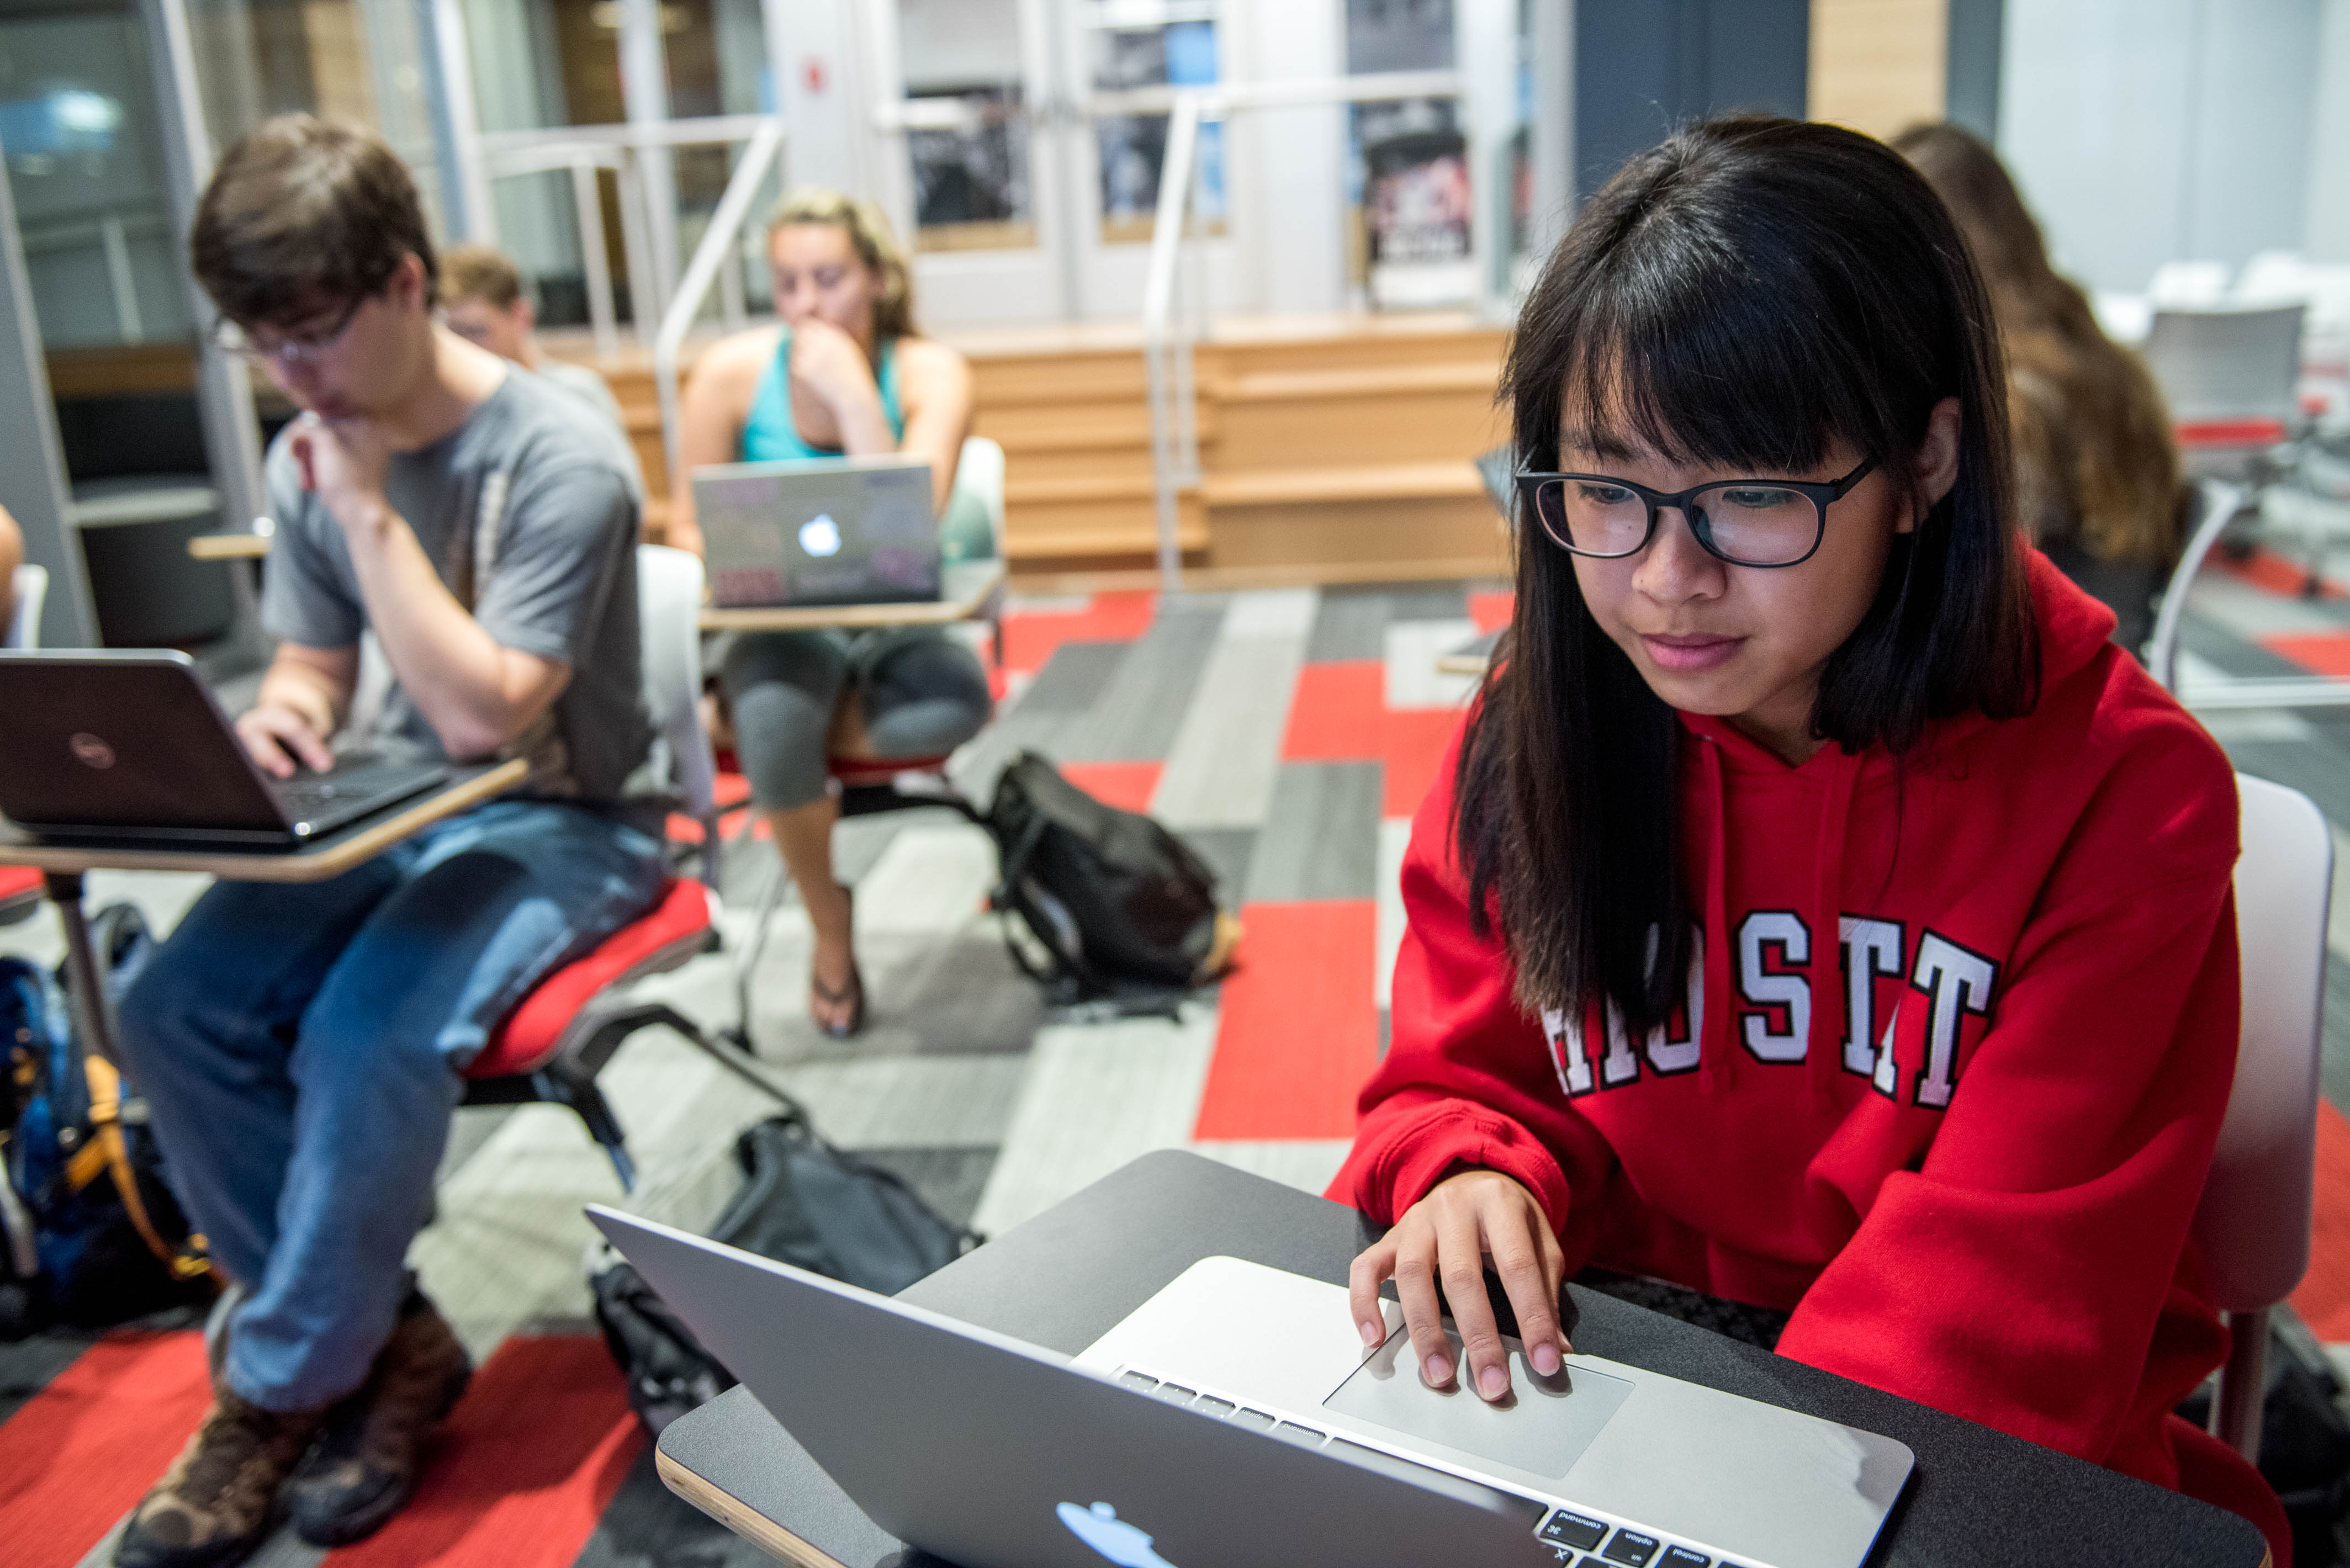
x: 1068, y: 1276
x: 63, y: 866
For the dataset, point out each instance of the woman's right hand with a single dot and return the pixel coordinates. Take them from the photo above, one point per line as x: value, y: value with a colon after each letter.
x: 1447, y: 1237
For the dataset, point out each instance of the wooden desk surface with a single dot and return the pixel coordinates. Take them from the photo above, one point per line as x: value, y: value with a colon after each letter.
x: 330, y: 857
x: 229, y: 547
x: 1068, y: 1275
x: 964, y: 591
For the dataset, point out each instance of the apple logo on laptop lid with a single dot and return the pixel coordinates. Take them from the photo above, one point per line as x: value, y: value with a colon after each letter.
x: 1100, y: 1528
x: 820, y: 535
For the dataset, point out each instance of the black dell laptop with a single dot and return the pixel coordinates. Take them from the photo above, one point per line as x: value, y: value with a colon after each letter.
x: 112, y: 746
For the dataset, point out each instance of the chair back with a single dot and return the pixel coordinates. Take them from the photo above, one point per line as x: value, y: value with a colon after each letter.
x: 2227, y: 364
x: 669, y: 614
x: 978, y: 497
x: 2188, y: 284
x: 2252, y: 1223
x: 31, y: 590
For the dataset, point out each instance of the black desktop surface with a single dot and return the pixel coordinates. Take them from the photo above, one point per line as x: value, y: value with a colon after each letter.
x: 1066, y: 1277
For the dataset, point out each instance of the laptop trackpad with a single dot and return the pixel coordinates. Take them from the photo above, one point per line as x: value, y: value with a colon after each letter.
x: 1541, y: 1427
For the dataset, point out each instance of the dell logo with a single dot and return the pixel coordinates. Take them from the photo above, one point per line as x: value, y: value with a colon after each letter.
x: 1100, y: 1528
x: 89, y: 751
x: 820, y: 535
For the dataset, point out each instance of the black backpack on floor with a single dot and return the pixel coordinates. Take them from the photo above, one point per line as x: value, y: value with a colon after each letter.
x: 802, y: 1202
x: 1114, y: 905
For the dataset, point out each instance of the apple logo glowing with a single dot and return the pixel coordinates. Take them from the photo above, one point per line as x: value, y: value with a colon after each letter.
x: 820, y: 535
x: 1100, y: 1528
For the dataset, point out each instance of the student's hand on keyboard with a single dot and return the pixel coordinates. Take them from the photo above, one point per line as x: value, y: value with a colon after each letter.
x: 283, y: 740
x: 1447, y: 1237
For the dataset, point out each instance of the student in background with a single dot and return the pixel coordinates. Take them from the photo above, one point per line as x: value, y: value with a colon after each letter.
x: 846, y: 372
x: 12, y: 555
x: 2096, y: 467
x: 300, y: 1048
x: 483, y: 301
x: 1817, y: 910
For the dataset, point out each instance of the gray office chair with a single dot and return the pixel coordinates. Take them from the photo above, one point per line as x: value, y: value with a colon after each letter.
x: 2235, y: 371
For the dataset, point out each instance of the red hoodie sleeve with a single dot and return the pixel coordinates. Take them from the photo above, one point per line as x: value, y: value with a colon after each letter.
x: 2017, y: 1276
x: 1468, y: 1080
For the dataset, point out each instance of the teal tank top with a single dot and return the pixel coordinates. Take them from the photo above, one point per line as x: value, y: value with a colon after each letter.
x: 768, y: 433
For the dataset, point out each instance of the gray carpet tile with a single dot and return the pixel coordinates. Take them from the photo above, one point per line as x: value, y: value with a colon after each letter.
x: 1137, y: 712
x: 2334, y: 1064
x: 1227, y: 851
x: 1055, y: 704
x: 1321, y: 838
x: 1348, y: 625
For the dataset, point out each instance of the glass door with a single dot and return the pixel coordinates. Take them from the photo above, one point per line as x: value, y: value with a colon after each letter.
x: 1128, y: 59
x: 973, y: 172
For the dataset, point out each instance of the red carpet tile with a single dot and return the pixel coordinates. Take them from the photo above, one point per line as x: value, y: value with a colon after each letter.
x: 1335, y: 712
x: 1030, y: 635
x: 2264, y: 569
x: 2323, y: 1298
x: 84, y: 1449
x: 1414, y: 745
x: 2319, y: 652
x: 1126, y: 785
x: 525, y: 1467
x: 1491, y: 610
x: 1339, y: 715
x: 1298, y: 1030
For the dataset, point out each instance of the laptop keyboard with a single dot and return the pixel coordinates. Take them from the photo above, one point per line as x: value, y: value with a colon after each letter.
x: 1582, y: 1539
x: 359, y: 776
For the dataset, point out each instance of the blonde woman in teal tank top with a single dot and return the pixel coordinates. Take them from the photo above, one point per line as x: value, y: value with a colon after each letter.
x: 845, y: 372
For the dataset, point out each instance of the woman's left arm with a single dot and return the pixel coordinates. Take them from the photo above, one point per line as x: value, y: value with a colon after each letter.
x: 935, y: 387
x: 2016, y: 1277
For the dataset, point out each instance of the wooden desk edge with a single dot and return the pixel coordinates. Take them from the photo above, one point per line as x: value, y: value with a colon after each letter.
x: 229, y: 547
x: 966, y: 605
x: 284, y: 867
x: 743, y: 1518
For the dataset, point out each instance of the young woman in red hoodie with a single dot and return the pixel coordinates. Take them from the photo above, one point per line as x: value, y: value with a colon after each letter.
x: 1819, y: 911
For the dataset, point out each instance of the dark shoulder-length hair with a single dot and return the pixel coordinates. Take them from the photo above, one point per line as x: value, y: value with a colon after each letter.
x: 1743, y: 297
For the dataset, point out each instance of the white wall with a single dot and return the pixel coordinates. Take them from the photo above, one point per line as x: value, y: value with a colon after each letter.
x: 2329, y: 155
x: 2151, y: 130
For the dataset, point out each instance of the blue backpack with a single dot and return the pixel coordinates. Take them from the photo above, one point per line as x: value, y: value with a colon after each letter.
x: 93, y: 1235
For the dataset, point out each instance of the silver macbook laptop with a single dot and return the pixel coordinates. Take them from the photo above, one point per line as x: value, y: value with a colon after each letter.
x: 825, y: 531
x: 1639, y: 1469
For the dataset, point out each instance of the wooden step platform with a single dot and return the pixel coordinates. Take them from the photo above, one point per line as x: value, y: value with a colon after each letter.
x: 1332, y: 448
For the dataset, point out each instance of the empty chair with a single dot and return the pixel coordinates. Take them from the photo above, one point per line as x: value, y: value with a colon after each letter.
x: 2188, y: 284
x: 2231, y: 378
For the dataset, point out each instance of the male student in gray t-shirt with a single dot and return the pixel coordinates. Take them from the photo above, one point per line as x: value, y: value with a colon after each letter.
x: 299, y: 1048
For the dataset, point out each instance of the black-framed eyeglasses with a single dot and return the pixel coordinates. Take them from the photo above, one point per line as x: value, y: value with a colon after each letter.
x: 1745, y: 522
x: 290, y: 350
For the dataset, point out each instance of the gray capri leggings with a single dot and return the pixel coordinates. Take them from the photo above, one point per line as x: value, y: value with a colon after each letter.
x: 922, y: 694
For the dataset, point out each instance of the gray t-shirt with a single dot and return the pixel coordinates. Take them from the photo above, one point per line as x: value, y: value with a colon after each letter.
x: 525, y: 513
x: 595, y: 392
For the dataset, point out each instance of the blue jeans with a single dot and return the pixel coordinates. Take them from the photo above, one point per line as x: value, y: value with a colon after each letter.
x: 299, y: 1048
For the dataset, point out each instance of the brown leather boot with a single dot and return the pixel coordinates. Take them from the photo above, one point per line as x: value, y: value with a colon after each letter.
x: 366, y: 1461
x: 214, y: 1505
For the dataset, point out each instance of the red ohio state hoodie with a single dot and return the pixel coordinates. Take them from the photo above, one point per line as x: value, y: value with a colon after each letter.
x: 1955, y: 1050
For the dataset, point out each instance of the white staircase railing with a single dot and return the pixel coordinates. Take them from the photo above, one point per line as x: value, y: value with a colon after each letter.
x: 1174, y: 313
